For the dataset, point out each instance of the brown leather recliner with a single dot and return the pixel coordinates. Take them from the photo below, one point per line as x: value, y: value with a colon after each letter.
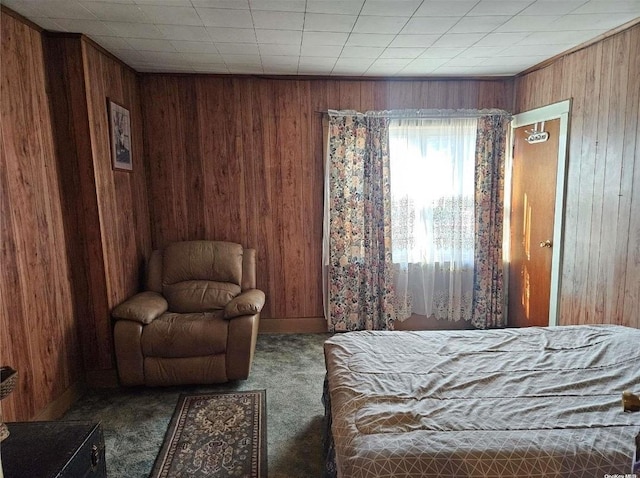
x: 197, y: 323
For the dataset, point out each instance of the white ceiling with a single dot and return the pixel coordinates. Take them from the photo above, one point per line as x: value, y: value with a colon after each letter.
x: 333, y: 37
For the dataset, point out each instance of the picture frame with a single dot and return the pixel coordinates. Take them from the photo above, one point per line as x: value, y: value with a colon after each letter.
x: 120, y: 136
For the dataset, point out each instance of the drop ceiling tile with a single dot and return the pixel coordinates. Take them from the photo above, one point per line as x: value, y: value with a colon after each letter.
x: 429, y: 25
x: 320, y: 22
x: 242, y: 60
x: 48, y: 24
x: 25, y: 8
x: 283, y: 37
x: 280, y: 60
x: 65, y: 9
x: 114, y: 12
x: 609, y: 6
x: 452, y: 40
x: 227, y: 18
x: 321, y: 50
x: 410, y: 53
x: 589, y: 21
x: 517, y: 61
x: 499, y: 7
x: 275, y: 50
x: 361, y: 52
x: 317, y: 62
x: 169, y: 3
x: 391, y: 63
x: 238, y: 48
x: 200, y: 58
x: 149, y: 44
x: 278, y: 5
x: 313, y: 70
x: 135, y: 30
x: 375, y: 24
x: 163, y: 57
x: 245, y: 70
x: 213, y: 68
x: 239, y: 35
x: 527, y: 23
x: 426, y: 63
x: 460, y: 61
x: 229, y: 4
x: 559, y: 38
x: 500, y: 39
x: 387, y: 8
x: 194, y: 46
x: 186, y: 33
x: 324, y: 38
x: 356, y: 63
x: 441, y: 52
x: 89, y: 27
x: 452, y: 70
x: 415, y: 71
x: 369, y: 39
x: 482, y: 51
x: 552, y: 7
x: 112, y: 43
x: 278, y: 20
x: 339, y: 7
x: 445, y: 8
x: 413, y: 41
x: 129, y: 56
x: 382, y: 71
x: 528, y: 50
x: 484, y: 24
x: 171, y: 15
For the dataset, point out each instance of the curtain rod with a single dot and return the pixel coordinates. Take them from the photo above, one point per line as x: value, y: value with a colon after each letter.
x: 422, y: 113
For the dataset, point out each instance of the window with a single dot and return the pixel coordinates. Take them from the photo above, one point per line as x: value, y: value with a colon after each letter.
x: 432, y: 190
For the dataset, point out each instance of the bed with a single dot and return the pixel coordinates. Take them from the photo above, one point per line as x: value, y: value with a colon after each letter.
x: 535, y: 402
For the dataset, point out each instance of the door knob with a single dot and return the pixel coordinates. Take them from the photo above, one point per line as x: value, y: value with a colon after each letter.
x: 546, y: 243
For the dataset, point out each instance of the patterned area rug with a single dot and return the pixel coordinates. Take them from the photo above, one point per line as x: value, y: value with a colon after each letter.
x: 215, y: 435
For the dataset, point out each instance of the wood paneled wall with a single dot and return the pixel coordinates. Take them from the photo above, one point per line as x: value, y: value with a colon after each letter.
x: 121, y: 196
x: 38, y: 335
x: 240, y: 159
x: 106, y: 210
x: 601, y: 269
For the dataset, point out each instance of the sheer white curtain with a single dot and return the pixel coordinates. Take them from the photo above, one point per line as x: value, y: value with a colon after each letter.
x: 432, y: 219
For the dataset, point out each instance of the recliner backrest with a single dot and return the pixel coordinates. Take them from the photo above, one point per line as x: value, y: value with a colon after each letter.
x: 198, y: 276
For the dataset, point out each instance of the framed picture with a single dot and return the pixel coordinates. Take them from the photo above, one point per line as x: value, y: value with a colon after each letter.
x: 120, y: 132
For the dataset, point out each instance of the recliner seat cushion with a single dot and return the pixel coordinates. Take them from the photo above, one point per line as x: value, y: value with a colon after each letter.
x: 199, y: 295
x: 185, y: 335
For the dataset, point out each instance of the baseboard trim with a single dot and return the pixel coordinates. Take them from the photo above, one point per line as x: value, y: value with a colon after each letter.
x: 301, y: 325
x: 103, y: 378
x: 60, y: 405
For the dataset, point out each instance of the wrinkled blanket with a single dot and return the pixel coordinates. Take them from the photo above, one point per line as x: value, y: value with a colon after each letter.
x: 535, y: 402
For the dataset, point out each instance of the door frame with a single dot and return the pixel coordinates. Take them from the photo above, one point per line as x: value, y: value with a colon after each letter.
x: 560, y: 110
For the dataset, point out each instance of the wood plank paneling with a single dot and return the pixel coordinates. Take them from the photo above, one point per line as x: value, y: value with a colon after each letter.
x: 37, y: 326
x: 601, y: 270
x: 260, y: 164
x: 105, y: 211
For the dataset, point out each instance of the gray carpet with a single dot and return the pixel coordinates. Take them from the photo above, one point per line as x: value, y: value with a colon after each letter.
x: 289, y: 367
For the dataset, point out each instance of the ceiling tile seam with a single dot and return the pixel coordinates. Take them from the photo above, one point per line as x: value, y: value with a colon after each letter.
x: 347, y: 39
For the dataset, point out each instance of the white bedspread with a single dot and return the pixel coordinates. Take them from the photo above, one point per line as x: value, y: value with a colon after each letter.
x: 537, y: 402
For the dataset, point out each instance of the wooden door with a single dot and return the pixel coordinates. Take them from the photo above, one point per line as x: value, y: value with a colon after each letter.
x: 533, y: 195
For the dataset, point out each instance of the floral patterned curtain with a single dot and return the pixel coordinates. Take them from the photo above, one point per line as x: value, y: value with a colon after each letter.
x: 488, y: 293
x: 358, y: 227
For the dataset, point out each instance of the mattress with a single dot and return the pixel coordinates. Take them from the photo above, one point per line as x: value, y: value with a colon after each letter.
x: 535, y: 402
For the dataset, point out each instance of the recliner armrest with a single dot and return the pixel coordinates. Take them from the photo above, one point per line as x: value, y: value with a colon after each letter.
x: 250, y: 302
x: 143, y: 307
